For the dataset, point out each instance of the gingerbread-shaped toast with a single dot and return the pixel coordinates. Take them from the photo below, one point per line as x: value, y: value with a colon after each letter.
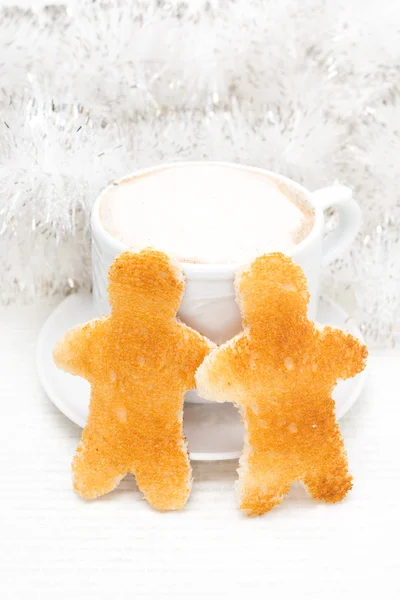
x: 281, y: 372
x: 139, y: 361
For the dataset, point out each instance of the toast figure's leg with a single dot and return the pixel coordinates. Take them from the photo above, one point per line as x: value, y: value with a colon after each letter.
x: 263, y: 481
x: 330, y: 480
x: 260, y: 492
x: 95, y: 467
x: 162, y: 469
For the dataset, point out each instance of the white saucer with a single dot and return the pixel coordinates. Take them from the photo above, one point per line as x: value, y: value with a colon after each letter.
x: 213, y: 431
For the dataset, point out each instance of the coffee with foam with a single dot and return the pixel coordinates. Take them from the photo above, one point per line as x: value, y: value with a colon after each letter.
x: 205, y: 213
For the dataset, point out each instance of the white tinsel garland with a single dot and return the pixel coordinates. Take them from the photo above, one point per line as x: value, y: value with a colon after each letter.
x: 309, y: 90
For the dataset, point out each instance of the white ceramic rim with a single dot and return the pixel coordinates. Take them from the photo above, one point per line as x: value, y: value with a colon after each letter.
x: 205, y: 270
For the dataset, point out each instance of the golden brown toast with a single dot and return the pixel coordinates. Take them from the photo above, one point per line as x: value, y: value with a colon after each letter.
x: 139, y: 360
x: 281, y: 372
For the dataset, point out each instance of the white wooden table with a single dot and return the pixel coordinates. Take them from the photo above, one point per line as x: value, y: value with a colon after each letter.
x: 55, y: 545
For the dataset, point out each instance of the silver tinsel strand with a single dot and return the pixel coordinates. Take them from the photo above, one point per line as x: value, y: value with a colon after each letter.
x: 92, y: 90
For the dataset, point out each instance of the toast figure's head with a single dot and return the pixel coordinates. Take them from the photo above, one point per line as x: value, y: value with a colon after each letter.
x: 272, y: 293
x: 146, y: 279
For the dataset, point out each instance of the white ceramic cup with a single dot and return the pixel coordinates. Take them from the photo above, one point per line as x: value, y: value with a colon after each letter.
x: 208, y: 304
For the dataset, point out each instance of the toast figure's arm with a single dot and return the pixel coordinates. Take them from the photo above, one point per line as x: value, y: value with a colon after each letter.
x: 217, y: 376
x: 194, y: 348
x: 345, y: 353
x: 74, y: 352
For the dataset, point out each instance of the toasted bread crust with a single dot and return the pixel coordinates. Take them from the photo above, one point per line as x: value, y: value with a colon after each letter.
x: 281, y: 372
x: 139, y: 361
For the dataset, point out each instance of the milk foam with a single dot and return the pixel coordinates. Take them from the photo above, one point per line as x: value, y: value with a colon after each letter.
x: 204, y: 213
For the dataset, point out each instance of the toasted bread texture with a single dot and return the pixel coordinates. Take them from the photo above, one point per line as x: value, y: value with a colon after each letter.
x: 281, y: 372
x: 139, y: 361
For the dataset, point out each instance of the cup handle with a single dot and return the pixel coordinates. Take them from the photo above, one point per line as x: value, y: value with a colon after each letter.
x: 339, y: 197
